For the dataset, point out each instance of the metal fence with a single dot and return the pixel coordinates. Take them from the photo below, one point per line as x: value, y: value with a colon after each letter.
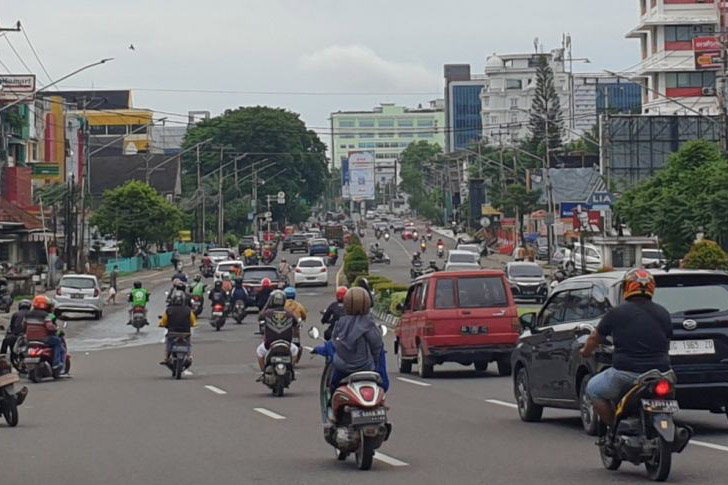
x: 132, y: 265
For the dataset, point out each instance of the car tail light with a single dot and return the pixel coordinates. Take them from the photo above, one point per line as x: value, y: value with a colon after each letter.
x: 323, y: 270
x: 96, y: 292
x: 663, y: 388
x: 367, y: 393
x: 429, y: 328
x: 516, y: 325
x: 58, y: 291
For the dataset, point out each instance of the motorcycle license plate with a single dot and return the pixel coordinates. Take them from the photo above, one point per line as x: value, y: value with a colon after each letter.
x: 280, y: 360
x: 216, y: 314
x: 32, y: 360
x: 660, y: 406
x: 178, y: 349
x: 368, y: 417
x: 692, y: 347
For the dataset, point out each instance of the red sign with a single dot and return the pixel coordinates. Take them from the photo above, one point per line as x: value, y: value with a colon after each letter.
x: 587, y: 221
x: 708, y: 53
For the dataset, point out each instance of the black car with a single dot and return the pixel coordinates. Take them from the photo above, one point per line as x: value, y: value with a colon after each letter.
x: 253, y: 277
x: 298, y: 242
x: 549, y: 371
x: 528, y: 281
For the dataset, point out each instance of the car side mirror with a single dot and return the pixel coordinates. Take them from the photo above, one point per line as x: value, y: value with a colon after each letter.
x: 400, y: 307
x: 584, y: 329
x: 314, y: 333
x: 528, y: 321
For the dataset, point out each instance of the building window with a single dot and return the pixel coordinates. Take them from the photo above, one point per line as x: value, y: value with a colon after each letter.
x: 366, y: 135
x: 366, y: 123
x: 514, y: 103
x: 347, y: 136
x: 514, y: 117
x: 493, y: 120
x: 686, y: 33
x: 425, y: 123
x: 342, y: 147
x: 426, y: 134
x: 704, y: 79
x: 352, y: 146
x: 385, y: 123
x: 97, y: 129
x: 406, y: 134
x: 386, y: 135
x: 138, y: 129
x: 347, y: 123
x: 486, y: 101
x: 405, y: 123
x: 514, y: 84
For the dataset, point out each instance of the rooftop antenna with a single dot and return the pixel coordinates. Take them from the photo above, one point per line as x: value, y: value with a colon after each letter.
x: 535, y: 44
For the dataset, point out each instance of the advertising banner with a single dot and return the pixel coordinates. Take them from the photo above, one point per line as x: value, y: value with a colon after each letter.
x: 568, y: 209
x: 707, y: 53
x: 361, y: 176
x: 587, y: 221
x: 15, y: 86
x: 345, y: 179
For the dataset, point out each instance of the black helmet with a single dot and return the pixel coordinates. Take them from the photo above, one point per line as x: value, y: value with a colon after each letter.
x: 277, y: 300
x: 198, y: 278
x: 24, y: 305
x: 218, y: 284
x: 137, y: 284
x: 178, y: 298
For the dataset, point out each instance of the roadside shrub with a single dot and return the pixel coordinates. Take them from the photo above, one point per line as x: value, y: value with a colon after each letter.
x: 353, y: 269
x: 706, y: 254
x: 372, y: 279
x: 395, y: 300
x: 388, y: 288
x: 355, y: 253
x: 354, y: 240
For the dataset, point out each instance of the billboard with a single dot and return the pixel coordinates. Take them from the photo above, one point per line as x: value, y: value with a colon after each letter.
x: 361, y: 176
x: 707, y: 53
x: 345, y: 179
x: 16, y: 86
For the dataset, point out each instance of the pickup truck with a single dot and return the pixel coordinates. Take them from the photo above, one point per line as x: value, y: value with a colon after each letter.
x: 335, y: 234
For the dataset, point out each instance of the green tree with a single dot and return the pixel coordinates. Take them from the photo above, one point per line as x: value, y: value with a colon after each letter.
x: 706, y: 255
x: 270, y: 136
x: 545, y: 107
x: 415, y: 162
x: 137, y: 216
x: 519, y: 201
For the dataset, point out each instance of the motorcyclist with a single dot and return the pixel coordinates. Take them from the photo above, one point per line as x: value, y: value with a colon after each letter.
x: 206, y: 261
x: 239, y: 293
x: 177, y: 318
x: 376, y: 251
x: 198, y: 288
x: 266, y: 288
x: 227, y: 284
x: 416, y: 259
x: 217, y: 295
x: 333, y: 253
x: 138, y: 297
x: 16, y: 327
x: 285, y: 270
x: 333, y: 312
x: 440, y: 244
x: 641, y: 330
x: 433, y: 266
x: 279, y: 324
x: 40, y: 315
x: 356, y: 338
x: 180, y: 275
x: 298, y: 310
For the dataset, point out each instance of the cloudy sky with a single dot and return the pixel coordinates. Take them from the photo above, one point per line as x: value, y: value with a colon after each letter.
x: 310, y: 56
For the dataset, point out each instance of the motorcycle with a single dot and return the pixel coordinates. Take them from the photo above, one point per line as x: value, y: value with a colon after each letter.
x: 39, y: 360
x: 440, y: 252
x: 9, y: 399
x: 6, y: 302
x: 239, y: 311
x: 361, y: 232
x: 196, y: 304
x: 379, y: 257
x: 179, y: 359
x: 138, y: 318
x: 423, y: 247
x: 644, y: 428
x: 278, y: 373
x: 416, y: 270
x: 218, y: 316
x: 18, y: 354
x: 354, y: 415
x: 386, y: 236
x: 207, y: 271
x: 429, y: 235
x: 415, y: 235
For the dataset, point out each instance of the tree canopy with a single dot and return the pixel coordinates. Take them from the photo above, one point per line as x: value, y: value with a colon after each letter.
x: 415, y: 164
x: 269, y: 136
x: 687, y: 197
x: 137, y: 215
x: 545, y: 107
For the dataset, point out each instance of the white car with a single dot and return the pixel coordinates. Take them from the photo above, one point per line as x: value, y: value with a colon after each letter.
x: 311, y: 271
x: 473, y: 248
x: 226, y: 268
x: 218, y: 255
x: 79, y: 293
x: 592, y: 255
x: 652, y: 258
x: 459, y: 260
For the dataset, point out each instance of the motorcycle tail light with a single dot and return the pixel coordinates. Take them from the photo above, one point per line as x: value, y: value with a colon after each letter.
x: 663, y: 388
x: 35, y: 352
x: 367, y: 393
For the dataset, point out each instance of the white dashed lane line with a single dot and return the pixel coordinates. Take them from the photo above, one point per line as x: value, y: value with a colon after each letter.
x: 389, y: 460
x: 270, y: 414
x: 412, y: 381
x: 216, y: 390
x: 502, y: 403
x: 307, y: 348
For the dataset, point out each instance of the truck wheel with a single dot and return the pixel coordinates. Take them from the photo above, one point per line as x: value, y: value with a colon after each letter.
x: 424, y: 369
x: 504, y: 367
x: 405, y: 365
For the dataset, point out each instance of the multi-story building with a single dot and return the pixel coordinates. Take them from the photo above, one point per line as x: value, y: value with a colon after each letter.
x: 386, y: 130
x: 671, y: 66
x: 463, y: 107
x: 596, y: 94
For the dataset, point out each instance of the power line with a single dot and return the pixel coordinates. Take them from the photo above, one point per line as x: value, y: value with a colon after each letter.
x: 37, y: 57
x: 30, y: 71
x: 285, y: 93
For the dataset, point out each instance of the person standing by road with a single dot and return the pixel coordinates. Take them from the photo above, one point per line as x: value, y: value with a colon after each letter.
x: 113, y: 282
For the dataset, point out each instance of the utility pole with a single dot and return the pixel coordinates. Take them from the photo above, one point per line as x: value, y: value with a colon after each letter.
x: 220, y: 204
x: 200, y: 217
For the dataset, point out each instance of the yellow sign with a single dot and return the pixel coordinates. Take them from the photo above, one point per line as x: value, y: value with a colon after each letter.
x: 185, y: 236
x: 488, y: 210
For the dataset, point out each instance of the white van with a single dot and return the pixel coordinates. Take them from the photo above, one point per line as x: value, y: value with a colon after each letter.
x: 572, y: 261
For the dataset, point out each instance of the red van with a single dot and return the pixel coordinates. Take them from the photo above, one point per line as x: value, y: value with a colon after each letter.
x: 469, y: 317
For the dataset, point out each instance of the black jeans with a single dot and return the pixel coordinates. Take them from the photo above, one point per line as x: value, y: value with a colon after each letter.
x: 8, y: 343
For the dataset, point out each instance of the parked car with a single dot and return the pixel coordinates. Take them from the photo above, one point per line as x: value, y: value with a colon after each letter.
x: 653, y: 258
x: 527, y: 281
x: 219, y: 254
x: 549, y: 371
x: 311, y: 271
x: 318, y: 247
x: 230, y: 268
x: 254, y: 275
x: 468, y: 317
x: 572, y: 262
x: 79, y: 293
x: 458, y: 258
x: 298, y: 242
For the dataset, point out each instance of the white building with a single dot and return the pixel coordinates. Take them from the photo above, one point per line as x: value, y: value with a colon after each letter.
x: 666, y: 31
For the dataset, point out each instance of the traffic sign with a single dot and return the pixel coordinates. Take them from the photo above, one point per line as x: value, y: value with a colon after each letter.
x: 268, y: 214
x: 485, y: 222
x: 281, y: 197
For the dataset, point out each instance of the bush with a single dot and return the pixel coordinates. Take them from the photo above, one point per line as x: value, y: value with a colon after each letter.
x: 354, y: 269
x: 354, y: 240
x: 355, y: 253
x: 395, y: 300
x: 388, y: 288
x: 706, y: 255
x: 372, y: 279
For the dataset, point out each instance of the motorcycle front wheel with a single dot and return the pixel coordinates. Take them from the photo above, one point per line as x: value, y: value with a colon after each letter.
x: 10, y: 409
x: 609, y: 461
x: 658, y: 468
x: 365, y: 453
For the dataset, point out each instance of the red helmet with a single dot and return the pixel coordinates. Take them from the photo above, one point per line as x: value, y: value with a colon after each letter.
x: 639, y: 282
x: 42, y: 302
x: 266, y: 283
x: 341, y: 293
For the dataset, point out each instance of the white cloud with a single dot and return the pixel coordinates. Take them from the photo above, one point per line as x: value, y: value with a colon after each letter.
x: 356, y: 67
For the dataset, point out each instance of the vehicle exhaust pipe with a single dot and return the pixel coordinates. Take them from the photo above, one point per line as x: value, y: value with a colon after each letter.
x: 682, y: 438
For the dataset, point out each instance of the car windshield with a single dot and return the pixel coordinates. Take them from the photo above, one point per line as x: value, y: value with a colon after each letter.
x: 692, y: 294
x: 227, y: 267
x: 462, y: 258
x: 481, y: 292
x: 310, y: 263
x: 463, y: 267
x: 525, y: 271
x: 319, y: 242
x: 248, y: 239
x: 298, y: 237
x: 218, y: 252
x: 652, y: 254
x: 78, y: 283
x: 257, y: 275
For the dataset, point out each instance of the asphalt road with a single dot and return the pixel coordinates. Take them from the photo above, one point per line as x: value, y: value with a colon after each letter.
x: 121, y: 419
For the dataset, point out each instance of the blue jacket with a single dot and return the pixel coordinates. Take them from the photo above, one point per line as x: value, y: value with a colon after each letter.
x: 239, y: 294
x: 328, y: 350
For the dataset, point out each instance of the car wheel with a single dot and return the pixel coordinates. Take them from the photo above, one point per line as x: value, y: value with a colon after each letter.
x: 527, y: 409
x: 424, y: 369
x: 589, y: 419
x: 405, y: 366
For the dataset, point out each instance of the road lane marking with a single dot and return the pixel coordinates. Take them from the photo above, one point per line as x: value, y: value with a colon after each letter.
x: 307, y: 348
x: 187, y: 373
x: 712, y: 446
x: 268, y: 413
x: 412, y: 381
x: 216, y: 390
x: 389, y: 460
x: 502, y: 403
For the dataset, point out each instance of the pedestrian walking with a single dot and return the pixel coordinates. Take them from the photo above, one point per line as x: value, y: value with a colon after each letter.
x: 113, y: 281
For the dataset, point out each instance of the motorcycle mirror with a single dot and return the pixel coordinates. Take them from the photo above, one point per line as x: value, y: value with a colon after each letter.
x: 322, y: 312
x: 314, y: 333
x: 384, y: 330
